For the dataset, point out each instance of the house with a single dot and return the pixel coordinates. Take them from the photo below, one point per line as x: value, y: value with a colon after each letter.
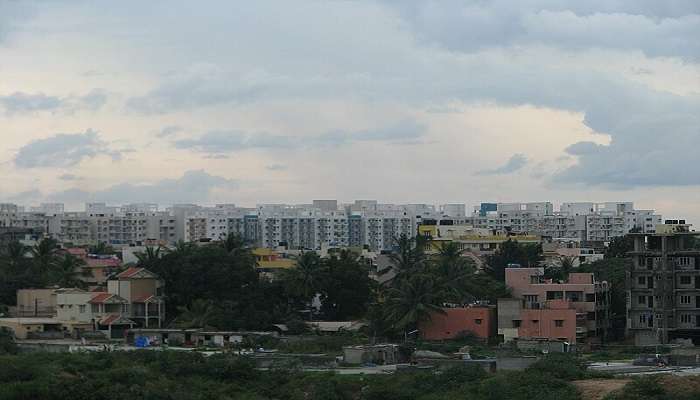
x: 575, y: 310
x: 35, y: 303
x: 476, y: 320
x: 97, y: 268
x: 143, y: 292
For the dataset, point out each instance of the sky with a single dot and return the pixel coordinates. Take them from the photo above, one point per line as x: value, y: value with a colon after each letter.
x: 432, y: 101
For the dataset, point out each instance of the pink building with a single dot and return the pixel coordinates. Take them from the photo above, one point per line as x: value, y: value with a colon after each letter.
x: 477, y: 320
x: 573, y: 310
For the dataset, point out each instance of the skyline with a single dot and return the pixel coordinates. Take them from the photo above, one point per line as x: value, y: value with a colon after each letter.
x: 436, y: 102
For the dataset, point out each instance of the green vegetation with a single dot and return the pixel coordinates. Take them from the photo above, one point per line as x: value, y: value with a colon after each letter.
x: 659, y: 388
x: 512, y: 252
x: 184, y: 376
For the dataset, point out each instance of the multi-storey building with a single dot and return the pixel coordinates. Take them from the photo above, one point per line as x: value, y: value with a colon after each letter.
x: 663, y: 285
x: 574, y: 310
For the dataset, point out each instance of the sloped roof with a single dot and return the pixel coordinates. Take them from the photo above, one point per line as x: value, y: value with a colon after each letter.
x: 145, y: 298
x: 116, y: 319
x: 106, y: 298
x: 103, y: 262
x: 136, y: 273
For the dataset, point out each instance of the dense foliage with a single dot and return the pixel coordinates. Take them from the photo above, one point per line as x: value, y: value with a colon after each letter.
x: 512, y: 252
x: 38, y: 266
x: 184, y: 376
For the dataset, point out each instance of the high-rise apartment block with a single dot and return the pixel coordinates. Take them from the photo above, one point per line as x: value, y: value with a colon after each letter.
x: 323, y: 223
x: 663, y: 285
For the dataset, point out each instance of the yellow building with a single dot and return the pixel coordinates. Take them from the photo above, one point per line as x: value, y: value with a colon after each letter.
x: 269, y: 260
x: 475, y: 240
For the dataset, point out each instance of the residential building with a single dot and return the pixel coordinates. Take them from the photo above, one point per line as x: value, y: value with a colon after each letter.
x: 477, y: 320
x: 576, y: 309
x: 663, y: 285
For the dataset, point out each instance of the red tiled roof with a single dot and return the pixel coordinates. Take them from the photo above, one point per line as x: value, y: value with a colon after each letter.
x: 98, y: 290
x: 100, y: 298
x: 131, y: 271
x: 143, y: 299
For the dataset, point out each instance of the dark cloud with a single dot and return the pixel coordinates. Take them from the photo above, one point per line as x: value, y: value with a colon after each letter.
x: 220, y: 142
x: 22, y: 103
x: 193, y: 187
x: 63, y: 150
x: 514, y: 163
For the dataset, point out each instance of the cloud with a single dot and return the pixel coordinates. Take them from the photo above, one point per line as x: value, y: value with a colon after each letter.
x: 661, y: 29
x: 169, y: 131
x: 193, y: 186
x: 24, y: 103
x: 276, y: 167
x: 219, y: 142
x: 514, y: 163
x: 583, y: 148
x: 63, y: 150
x: 70, y: 177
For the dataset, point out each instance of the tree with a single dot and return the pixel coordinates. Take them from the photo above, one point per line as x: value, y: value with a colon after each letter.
x: 44, y: 255
x: 101, y: 248
x: 412, y: 301
x: 148, y: 258
x: 560, y: 271
x: 619, y: 247
x: 67, y: 272
x: 453, y: 271
x: 198, y: 314
x: 612, y: 270
x: 512, y: 252
x: 304, y: 280
x: 409, y: 256
x: 346, y: 288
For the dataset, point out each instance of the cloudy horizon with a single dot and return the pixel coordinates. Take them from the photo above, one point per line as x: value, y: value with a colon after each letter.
x: 436, y: 101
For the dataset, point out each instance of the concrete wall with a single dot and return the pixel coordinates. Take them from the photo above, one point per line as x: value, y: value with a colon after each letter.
x: 36, y: 302
x: 480, y: 321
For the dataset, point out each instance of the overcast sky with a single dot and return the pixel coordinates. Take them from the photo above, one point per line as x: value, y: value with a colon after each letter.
x: 400, y: 101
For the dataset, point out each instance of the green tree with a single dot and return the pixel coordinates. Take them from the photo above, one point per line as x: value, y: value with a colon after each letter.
x: 346, y: 287
x: 412, y: 300
x: 512, y: 252
x: 44, y: 256
x: 453, y: 272
x: 409, y: 255
x: 67, y: 271
x: 149, y: 257
x: 101, y: 248
x: 612, y: 270
x: 199, y: 314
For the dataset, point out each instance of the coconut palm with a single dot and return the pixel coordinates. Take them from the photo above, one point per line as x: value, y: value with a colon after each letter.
x: 147, y: 258
x: 67, y: 271
x: 304, y: 280
x: 413, y: 300
x: 409, y: 255
x: 44, y: 255
x: 453, y: 270
x: 198, y: 314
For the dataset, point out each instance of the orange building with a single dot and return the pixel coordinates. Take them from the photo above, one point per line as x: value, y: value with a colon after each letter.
x: 477, y: 320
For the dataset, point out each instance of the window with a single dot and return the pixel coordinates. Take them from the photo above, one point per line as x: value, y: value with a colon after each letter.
x: 477, y: 321
x: 590, y: 297
x: 643, y: 318
x: 558, y: 323
x: 685, y: 280
x: 125, y: 308
x: 685, y: 299
x: 516, y: 323
x: 590, y: 316
x: 535, y: 321
x: 95, y: 308
x: 642, y: 280
x: 555, y: 295
x: 685, y: 318
x: 82, y: 308
x: 642, y: 300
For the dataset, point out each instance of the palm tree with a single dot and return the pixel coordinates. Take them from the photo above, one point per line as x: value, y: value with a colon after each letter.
x: 198, y: 314
x: 149, y: 257
x: 68, y: 271
x: 14, y: 256
x: 412, y: 301
x: 304, y: 279
x: 453, y: 271
x: 101, y: 248
x: 44, y: 255
x: 409, y: 256
x: 182, y: 248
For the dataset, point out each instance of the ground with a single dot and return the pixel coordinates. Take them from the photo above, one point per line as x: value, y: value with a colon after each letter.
x: 597, y: 389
